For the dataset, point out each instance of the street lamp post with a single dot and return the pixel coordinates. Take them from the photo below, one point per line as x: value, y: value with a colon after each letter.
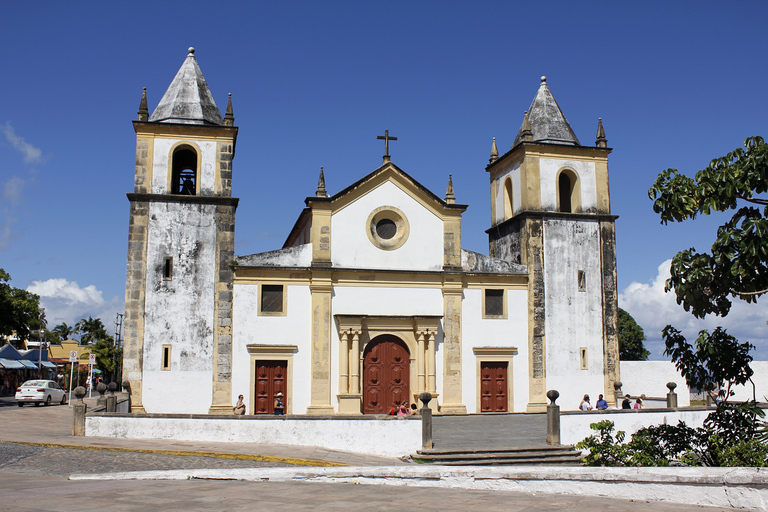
x: 40, y: 345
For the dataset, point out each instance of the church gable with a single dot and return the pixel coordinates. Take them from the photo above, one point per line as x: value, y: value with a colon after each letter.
x: 387, y: 220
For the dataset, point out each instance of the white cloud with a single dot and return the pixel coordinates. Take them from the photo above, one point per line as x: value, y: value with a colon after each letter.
x: 653, y: 309
x: 13, y: 189
x: 31, y: 154
x: 65, y: 301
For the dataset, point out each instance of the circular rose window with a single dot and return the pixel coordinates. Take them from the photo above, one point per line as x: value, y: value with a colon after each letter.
x: 387, y: 228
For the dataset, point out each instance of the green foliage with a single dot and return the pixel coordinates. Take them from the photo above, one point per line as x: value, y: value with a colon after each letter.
x: 631, y: 337
x: 718, y: 360
x: 738, y: 263
x: 732, y: 435
x: 108, y: 357
x: 63, y: 331
x: 19, y: 309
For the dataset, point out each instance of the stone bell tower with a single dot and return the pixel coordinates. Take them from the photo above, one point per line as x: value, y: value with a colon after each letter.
x: 178, y: 297
x: 550, y: 210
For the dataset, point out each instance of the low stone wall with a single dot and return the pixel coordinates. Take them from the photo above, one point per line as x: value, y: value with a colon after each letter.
x: 382, y: 436
x: 574, y: 426
x: 739, y: 488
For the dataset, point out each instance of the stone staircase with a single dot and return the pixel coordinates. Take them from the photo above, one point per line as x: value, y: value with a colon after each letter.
x: 501, y: 456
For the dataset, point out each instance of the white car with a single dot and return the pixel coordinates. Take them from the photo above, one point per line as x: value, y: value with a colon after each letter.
x: 40, y: 392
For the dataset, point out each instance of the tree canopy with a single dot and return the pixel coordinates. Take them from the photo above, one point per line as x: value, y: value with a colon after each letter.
x: 631, y: 337
x: 19, y: 309
x: 737, y: 265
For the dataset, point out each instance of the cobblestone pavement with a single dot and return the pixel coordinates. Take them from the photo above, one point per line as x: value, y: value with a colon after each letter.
x: 47, y: 461
x: 21, y: 493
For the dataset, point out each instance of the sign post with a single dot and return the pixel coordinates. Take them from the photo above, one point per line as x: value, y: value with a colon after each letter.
x: 72, y: 360
x: 91, y: 362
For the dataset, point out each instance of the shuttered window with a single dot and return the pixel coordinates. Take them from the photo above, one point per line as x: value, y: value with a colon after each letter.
x: 494, y: 302
x: 272, y: 298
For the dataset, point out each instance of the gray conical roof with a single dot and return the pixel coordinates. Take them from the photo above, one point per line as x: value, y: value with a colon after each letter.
x: 548, y: 123
x: 188, y: 99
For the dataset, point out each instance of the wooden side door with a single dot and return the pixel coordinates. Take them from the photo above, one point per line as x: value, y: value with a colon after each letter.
x: 270, y: 378
x: 386, y: 372
x: 493, y: 386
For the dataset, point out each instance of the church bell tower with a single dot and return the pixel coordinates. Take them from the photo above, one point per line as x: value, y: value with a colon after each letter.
x: 178, y: 298
x: 550, y: 211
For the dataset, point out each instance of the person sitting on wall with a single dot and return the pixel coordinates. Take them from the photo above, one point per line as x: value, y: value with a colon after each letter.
x: 639, y: 402
x: 414, y: 410
x: 585, y: 405
x: 625, y: 404
x: 601, y: 404
x: 239, y: 408
x: 393, y: 410
x: 279, y: 406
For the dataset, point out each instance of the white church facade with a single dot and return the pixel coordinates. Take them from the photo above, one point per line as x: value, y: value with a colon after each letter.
x: 371, y: 300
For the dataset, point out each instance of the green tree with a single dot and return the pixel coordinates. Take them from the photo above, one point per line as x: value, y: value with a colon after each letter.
x: 63, y: 331
x: 737, y: 264
x: 19, y: 309
x: 631, y: 337
x: 735, y: 267
x: 108, y: 357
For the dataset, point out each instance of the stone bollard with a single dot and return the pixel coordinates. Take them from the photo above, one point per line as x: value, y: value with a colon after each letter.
x: 101, y: 401
x: 617, y: 394
x: 111, y: 397
x: 78, y: 412
x: 127, y: 388
x: 426, y: 422
x: 553, y: 418
x: 671, y: 396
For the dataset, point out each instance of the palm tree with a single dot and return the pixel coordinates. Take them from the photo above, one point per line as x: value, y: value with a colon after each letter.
x: 63, y: 330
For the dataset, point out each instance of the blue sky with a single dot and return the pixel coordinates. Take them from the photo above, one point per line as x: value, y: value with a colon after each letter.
x: 314, y: 83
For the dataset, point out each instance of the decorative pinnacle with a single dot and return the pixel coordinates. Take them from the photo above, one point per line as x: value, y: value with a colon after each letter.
x: 494, y: 152
x: 321, y: 185
x: 526, y: 134
x: 229, y: 117
x: 191, y: 50
x: 450, y: 198
x: 601, y: 141
x: 143, y: 111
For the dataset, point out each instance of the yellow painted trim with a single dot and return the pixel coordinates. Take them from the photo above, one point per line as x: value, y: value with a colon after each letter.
x: 169, y: 172
x: 575, y: 181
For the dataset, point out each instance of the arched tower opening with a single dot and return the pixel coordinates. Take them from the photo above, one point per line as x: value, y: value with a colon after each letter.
x: 568, y: 192
x: 509, y: 209
x: 184, y: 171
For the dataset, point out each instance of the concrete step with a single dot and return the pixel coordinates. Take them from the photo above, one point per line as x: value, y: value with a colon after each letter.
x: 538, y: 455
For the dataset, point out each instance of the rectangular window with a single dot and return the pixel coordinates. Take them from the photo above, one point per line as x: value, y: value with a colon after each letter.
x: 582, y: 281
x: 583, y: 358
x: 168, y: 269
x: 493, y: 303
x: 272, y: 300
x: 166, y: 357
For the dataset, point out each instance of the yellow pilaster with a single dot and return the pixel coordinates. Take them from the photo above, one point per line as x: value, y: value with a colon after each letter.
x: 452, y: 400
x: 320, y: 398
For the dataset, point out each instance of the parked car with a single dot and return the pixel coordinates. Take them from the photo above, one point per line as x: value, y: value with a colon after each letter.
x: 40, y: 392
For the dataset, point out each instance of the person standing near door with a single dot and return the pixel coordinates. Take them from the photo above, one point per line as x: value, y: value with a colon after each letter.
x: 279, y: 405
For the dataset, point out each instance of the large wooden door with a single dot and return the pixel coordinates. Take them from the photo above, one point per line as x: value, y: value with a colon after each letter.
x: 386, y: 371
x: 493, y: 386
x: 270, y: 378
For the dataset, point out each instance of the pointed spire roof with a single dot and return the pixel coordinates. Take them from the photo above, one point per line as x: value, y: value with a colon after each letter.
x: 229, y: 116
x: 321, y: 192
x: 601, y: 141
x: 494, y: 152
x: 450, y: 197
x: 547, y: 122
x: 188, y: 99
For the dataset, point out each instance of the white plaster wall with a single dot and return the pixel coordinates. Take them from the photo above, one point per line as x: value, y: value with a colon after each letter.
x: 760, y: 379
x: 495, y: 332
x: 386, y: 437
x: 161, y: 164
x: 575, y: 427
x: 375, y: 301
x: 651, y: 377
x: 574, y: 318
x: 548, y: 169
x: 293, y: 329
x: 179, y: 312
x: 351, y: 248
x: 514, y: 173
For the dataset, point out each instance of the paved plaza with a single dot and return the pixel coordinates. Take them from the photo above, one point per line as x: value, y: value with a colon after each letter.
x: 37, y: 453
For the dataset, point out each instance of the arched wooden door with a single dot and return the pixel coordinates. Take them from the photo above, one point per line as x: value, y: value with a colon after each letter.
x: 386, y: 371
